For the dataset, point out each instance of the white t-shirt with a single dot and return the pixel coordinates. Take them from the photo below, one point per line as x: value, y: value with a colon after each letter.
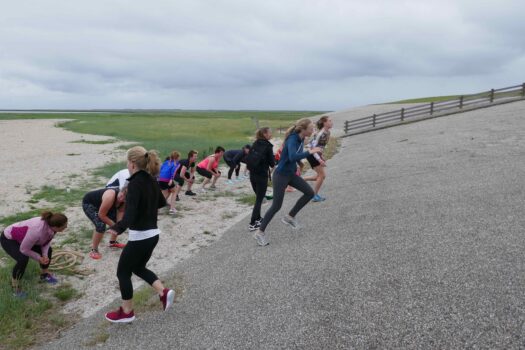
x: 119, y: 180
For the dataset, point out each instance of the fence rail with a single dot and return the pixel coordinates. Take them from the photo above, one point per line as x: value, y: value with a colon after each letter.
x: 435, y: 109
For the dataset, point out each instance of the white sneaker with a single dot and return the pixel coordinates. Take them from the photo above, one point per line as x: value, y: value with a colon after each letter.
x: 229, y: 182
x: 288, y: 220
x: 261, y: 238
x: 203, y: 190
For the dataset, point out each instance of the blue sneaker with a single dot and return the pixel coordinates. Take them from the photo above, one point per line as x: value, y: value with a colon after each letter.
x: 229, y: 182
x: 317, y: 198
x: 19, y: 294
x: 48, y: 278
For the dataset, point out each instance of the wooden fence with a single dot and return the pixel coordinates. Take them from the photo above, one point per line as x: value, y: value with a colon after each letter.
x: 435, y: 109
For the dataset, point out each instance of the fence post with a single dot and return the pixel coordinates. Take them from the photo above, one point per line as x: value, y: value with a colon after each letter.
x: 491, y: 95
x: 346, y: 126
x: 402, y: 114
x: 523, y: 90
x: 374, y: 121
x: 460, y: 102
x: 431, y: 108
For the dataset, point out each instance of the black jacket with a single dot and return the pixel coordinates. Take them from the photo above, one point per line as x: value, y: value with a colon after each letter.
x: 143, y: 200
x: 265, y: 148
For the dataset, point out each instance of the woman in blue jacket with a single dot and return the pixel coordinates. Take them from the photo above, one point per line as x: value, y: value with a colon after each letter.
x: 285, y: 175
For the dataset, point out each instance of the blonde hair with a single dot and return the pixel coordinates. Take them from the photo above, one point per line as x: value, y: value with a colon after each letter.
x: 300, y: 125
x: 259, y: 134
x: 173, y: 156
x: 145, y: 160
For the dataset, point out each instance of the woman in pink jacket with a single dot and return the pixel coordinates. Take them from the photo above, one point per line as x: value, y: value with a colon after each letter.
x: 32, y: 239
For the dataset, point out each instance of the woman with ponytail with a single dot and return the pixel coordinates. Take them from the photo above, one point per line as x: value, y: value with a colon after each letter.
x: 32, y: 239
x: 143, y: 200
x: 316, y: 160
x: 285, y: 175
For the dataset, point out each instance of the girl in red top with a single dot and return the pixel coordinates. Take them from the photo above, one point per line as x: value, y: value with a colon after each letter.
x: 209, y: 168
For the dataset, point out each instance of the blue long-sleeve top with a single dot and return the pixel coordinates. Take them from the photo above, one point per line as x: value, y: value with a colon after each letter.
x: 292, y: 153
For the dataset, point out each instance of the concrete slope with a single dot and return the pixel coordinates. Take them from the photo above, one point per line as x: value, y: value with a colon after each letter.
x: 419, y: 245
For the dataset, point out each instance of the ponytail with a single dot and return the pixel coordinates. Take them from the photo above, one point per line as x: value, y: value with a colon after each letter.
x: 300, y: 125
x: 54, y: 220
x: 145, y: 160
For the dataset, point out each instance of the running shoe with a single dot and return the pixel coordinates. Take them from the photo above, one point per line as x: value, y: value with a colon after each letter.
x: 177, y: 199
x: 229, y: 182
x: 168, y: 295
x: 19, y: 294
x: 116, y: 244
x: 48, y: 278
x: 213, y: 188
x: 190, y: 193
x: 253, y: 227
x: 288, y: 220
x: 203, y: 190
x: 172, y: 211
x: 318, y: 198
x: 261, y: 238
x: 94, y: 254
x: 119, y: 316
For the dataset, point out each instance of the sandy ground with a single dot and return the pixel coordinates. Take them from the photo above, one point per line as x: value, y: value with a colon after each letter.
x: 39, y: 153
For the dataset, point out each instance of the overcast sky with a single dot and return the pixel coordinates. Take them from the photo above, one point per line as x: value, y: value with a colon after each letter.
x: 241, y: 54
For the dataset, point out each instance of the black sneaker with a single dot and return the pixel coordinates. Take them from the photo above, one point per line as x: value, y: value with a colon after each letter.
x: 177, y: 198
x: 190, y: 193
x: 253, y: 227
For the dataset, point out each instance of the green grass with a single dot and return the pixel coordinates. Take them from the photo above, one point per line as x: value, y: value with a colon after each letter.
x: 22, y: 320
x: 426, y: 99
x: 65, y: 292
x: 248, y: 199
x: 100, y: 142
x: 179, y: 130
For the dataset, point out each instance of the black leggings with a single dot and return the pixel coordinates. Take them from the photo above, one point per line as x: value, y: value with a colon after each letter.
x: 280, y: 182
x: 133, y: 259
x: 12, y: 248
x: 233, y: 166
x: 259, y: 185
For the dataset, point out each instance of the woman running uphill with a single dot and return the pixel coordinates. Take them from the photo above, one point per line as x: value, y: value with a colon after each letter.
x: 143, y: 200
x: 259, y: 161
x: 32, y: 239
x: 316, y: 160
x: 285, y: 175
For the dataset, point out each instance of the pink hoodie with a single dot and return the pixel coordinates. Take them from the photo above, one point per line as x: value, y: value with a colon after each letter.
x: 29, y: 233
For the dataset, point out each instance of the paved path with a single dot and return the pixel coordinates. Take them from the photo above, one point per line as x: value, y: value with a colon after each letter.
x: 419, y: 245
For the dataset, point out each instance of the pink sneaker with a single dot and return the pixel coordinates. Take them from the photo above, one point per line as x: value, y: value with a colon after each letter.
x: 94, y: 254
x: 117, y: 244
x: 168, y: 295
x: 118, y: 316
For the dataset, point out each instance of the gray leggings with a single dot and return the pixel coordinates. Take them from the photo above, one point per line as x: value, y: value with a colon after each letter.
x: 280, y: 182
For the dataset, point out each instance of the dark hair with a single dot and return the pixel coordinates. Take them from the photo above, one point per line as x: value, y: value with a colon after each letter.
x: 321, y: 121
x: 54, y: 220
x: 191, y: 153
x: 247, y: 146
x: 219, y: 149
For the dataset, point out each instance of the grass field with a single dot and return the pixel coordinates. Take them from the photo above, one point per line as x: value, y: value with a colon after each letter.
x: 24, y: 322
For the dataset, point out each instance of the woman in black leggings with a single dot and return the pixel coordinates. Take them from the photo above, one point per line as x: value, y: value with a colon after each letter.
x: 32, y: 239
x: 143, y: 200
x: 259, y: 160
x: 285, y: 175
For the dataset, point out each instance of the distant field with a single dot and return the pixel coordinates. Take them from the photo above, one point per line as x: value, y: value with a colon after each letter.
x: 426, y: 99
x: 177, y: 130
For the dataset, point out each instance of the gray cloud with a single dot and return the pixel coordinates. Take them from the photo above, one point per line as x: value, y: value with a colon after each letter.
x: 238, y: 54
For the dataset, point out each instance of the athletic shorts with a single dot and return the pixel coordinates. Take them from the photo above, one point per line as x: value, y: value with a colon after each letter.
x: 204, y: 172
x: 179, y: 180
x: 92, y: 213
x: 313, y: 162
x: 165, y: 185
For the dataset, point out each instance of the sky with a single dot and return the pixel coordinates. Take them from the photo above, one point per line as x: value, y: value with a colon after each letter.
x: 243, y: 54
